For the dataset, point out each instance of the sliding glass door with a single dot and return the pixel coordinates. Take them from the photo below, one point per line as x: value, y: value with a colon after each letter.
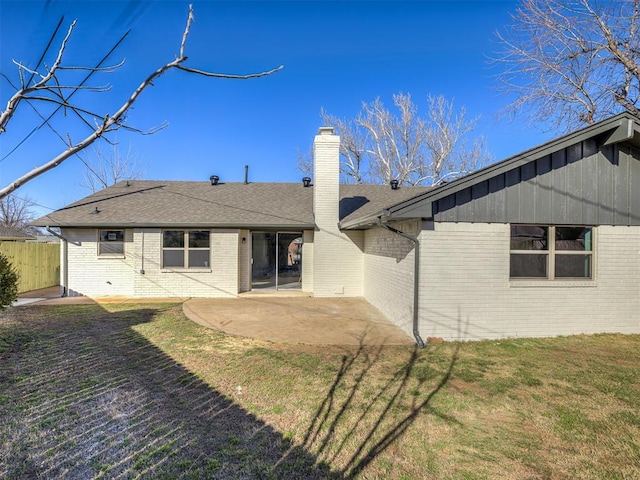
x: 276, y: 261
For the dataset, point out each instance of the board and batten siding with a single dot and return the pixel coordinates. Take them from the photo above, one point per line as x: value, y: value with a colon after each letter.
x: 466, y: 293
x: 581, y: 185
x: 97, y: 276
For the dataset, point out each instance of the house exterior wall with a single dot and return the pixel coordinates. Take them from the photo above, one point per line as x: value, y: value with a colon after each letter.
x: 337, y: 255
x: 338, y: 263
x: 95, y: 276
x: 244, y: 261
x: 466, y: 292
x: 307, y: 261
x: 388, y: 268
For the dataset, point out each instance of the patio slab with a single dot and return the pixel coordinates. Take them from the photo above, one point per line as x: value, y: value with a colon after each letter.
x: 287, y: 317
x: 309, y: 320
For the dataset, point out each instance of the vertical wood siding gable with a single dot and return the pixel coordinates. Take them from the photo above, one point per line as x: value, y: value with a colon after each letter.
x: 581, y: 184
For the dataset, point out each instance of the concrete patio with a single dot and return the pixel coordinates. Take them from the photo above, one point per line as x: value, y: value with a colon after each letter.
x: 298, y: 319
x: 276, y: 317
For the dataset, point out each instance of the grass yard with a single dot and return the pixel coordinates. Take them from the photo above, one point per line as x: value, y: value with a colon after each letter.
x: 138, y: 391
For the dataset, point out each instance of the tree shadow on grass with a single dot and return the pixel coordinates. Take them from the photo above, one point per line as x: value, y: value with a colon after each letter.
x: 364, y: 413
x: 83, y: 395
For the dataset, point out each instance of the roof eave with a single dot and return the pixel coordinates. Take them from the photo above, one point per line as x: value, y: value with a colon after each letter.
x: 293, y: 226
x: 362, y: 222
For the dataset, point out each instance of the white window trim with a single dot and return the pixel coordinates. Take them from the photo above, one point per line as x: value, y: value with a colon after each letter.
x: 185, y: 249
x: 551, y: 280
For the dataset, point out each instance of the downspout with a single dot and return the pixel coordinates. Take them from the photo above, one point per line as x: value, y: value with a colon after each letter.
x: 416, y: 278
x: 65, y: 260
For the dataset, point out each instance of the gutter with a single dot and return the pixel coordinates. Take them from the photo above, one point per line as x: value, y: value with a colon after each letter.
x: 416, y: 278
x: 65, y: 260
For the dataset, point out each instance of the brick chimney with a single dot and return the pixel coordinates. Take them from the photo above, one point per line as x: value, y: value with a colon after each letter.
x: 326, y: 179
x: 337, y: 256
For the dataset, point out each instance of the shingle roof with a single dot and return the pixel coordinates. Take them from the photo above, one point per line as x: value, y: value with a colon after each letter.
x: 361, y: 200
x: 253, y: 205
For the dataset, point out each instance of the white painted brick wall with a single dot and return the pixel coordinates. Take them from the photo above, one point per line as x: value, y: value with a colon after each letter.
x: 388, y: 273
x: 244, y: 259
x: 96, y: 276
x: 466, y: 292
x: 337, y: 256
x: 307, y: 261
x: 221, y: 280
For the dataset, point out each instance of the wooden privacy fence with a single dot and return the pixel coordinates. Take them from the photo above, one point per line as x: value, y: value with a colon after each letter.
x: 37, y: 263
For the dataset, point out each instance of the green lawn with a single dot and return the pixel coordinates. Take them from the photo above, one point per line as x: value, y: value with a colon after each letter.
x: 138, y: 391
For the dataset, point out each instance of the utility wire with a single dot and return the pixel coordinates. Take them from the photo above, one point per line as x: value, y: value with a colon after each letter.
x: 46, y: 121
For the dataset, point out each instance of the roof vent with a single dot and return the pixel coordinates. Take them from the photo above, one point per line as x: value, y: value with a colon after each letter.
x: 394, y: 184
x: 214, y: 179
x: 306, y: 182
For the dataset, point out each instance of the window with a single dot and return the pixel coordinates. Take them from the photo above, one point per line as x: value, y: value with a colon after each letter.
x: 551, y: 252
x: 185, y: 248
x: 111, y: 242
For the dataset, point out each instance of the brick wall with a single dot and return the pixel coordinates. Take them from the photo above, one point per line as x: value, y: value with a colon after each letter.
x: 244, y: 261
x: 307, y: 261
x: 388, y: 273
x: 337, y: 256
x: 95, y: 276
x: 466, y: 292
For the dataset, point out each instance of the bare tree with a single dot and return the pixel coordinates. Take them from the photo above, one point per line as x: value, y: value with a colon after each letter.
x: 109, y: 166
x: 48, y: 86
x: 352, y: 149
x: 16, y: 213
x: 572, y: 62
x: 378, y: 145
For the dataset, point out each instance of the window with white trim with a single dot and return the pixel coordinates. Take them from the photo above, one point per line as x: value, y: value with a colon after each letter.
x: 110, y: 242
x: 551, y: 252
x: 186, y: 248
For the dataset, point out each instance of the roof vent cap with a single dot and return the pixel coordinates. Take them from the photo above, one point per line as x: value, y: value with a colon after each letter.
x: 394, y: 184
x: 306, y: 182
x: 214, y: 179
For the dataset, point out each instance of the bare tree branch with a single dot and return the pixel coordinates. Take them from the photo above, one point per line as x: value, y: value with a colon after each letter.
x: 105, y: 123
x: 25, y: 90
x: 46, y: 121
x: 15, y: 212
x: 228, y: 75
x: 110, y: 167
x: 570, y: 63
x: 379, y: 145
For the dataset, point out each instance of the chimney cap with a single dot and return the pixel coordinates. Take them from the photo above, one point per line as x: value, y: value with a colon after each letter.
x: 306, y: 181
x: 394, y: 184
x: 325, y: 131
x: 214, y: 179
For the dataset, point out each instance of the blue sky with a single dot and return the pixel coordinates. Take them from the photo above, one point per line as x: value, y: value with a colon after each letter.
x: 335, y: 55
